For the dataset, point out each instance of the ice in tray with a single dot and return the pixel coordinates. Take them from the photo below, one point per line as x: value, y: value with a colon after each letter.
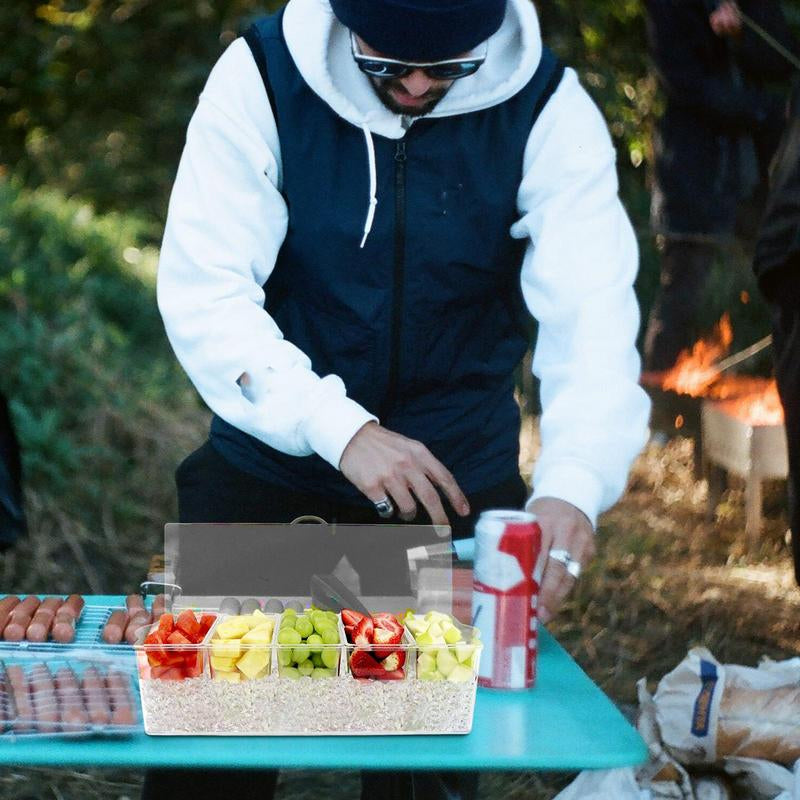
x: 293, y: 695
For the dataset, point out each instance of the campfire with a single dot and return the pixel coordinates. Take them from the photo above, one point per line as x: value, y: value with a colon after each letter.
x: 696, y: 373
x: 740, y: 426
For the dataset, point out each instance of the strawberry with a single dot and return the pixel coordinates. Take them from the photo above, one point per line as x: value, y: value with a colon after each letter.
x: 387, y: 621
x: 351, y: 618
x: 363, y: 632
x: 394, y: 675
x: 388, y: 639
x: 363, y: 665
x: 394, y: 660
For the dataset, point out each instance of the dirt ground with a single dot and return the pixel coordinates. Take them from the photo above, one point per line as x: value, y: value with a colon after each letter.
x: 666, y: 578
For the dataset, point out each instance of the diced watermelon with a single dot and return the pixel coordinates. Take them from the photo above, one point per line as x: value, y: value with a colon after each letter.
x: 187, y: 623
x: 168, y: 673
x: 166, y: 625
x: 194, y: 665
x: 206, y: 621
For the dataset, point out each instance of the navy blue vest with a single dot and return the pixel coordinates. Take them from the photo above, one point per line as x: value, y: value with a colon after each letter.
x: 425, y: 325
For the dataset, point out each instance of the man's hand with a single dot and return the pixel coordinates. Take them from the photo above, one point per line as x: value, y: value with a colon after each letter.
x: 382, y: 464
x: 564, y: 527
x: 725, y: 19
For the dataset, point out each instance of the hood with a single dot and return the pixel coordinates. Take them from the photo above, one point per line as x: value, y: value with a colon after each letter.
x: 320, y: 47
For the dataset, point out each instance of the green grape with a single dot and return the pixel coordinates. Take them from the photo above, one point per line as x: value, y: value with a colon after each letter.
x: 301, y: 653
x: 287, y: 622
x: 288, y: 672
x: 330, y: 657
x: 316, y: 660
x: 305, y: 668
x: 289, y: 636
x: 330, y: 636
x: 290, y: 612
x: 284, y: 656
x: 304, y: 626
x: 314, y: 643
x: 323, y: 673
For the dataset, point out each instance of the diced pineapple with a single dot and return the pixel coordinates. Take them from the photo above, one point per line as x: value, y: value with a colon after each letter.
x: 233, y: 628
x: 226, y: 648
x: 261, y: 634
x: 232, y: 677
x: 254, y: 662
x: 225, y: 664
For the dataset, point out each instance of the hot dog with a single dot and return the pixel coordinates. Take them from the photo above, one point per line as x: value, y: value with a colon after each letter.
x: 137, y: 620
x: 96, y: 697
x: 70, y: 700
x: 118, y: 686
x: 114, y: 629
x: 45, y: 704
x: 39, y: 628
x: 64, y: 626
x: 72, y: 605
x: 20, y: 619
x: 21, y: 706
x: 159, y: 605
x: 134, y: 603
x: 7, y: 605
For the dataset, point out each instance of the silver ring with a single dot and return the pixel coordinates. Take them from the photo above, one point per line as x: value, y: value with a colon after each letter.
x: 572, y: 566
x: 384, y: 508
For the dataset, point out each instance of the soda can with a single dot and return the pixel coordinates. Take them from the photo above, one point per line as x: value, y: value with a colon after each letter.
x: 505, y: 592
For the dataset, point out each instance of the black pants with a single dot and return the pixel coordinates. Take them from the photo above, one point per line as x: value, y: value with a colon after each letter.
x: 786, y: 348
x: 210, y: 489
x: 672, y: 325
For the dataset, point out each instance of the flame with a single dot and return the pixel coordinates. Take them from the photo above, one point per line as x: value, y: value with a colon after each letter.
x: 762, y: 407
x: 752, y: 400
x: 694, y: 370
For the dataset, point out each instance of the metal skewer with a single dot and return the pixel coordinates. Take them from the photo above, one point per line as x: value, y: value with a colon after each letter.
x: 769, y: 39
x: 742, y: 355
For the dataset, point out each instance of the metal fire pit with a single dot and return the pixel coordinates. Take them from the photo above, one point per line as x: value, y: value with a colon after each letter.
x: 753, y: 452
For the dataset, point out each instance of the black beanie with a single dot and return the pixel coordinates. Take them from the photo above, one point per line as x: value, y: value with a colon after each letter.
x: 421, y: 30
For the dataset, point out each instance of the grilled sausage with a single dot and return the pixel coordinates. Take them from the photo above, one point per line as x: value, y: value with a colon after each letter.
x: 64, y: 626
x: 21, y: 706
x: 39, y: 629
x: 45, y: 704
x: 118, y: 686
x: 20, y: 619
x: 114, y: 629
x: 70, y: 701
x: 159, y: 605
x: 96, y: 697
x: 7, y: 605
x: 73, y: 605
x: 134, y: 603
x: 138, y: 620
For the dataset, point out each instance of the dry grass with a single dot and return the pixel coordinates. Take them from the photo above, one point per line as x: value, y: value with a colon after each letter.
x: 665, y: 579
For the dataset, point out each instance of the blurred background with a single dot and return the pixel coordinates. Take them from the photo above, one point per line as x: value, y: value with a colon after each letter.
x: 95, y: 96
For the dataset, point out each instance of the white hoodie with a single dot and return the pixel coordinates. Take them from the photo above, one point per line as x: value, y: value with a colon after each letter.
x: 227, y: 221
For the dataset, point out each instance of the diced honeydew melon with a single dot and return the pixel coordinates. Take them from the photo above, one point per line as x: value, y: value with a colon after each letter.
x: 426, y: 663
x: 460, y: 674
x: 431, y: 676
x: 445, y: 661
x: 435, y: 630
x: 464, y: 652
x: 452, y: 635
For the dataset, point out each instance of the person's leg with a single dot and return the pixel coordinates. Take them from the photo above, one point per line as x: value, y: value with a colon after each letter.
x: 786, y: 348
x: 176, y: 784
x: 672, y: 323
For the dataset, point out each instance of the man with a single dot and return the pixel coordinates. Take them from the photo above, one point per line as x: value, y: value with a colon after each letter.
x: 777, y: 265
x: 403, y: 178
x: 713, y: 145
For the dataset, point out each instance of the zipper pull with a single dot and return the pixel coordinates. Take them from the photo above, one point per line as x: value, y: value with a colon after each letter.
x: 400, y: 151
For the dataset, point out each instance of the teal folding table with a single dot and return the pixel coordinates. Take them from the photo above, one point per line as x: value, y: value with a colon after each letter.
x: 564, y: 723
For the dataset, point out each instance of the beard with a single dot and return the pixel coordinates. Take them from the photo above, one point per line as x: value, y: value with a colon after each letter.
x: 384, y: 86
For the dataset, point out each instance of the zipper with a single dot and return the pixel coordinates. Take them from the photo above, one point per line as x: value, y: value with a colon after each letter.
x: 399, y: 273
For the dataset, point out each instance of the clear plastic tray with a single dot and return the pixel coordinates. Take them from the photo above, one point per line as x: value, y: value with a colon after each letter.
x: 341, y: 704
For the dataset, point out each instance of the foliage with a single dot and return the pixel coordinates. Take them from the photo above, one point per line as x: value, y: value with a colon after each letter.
x: 101, y: 408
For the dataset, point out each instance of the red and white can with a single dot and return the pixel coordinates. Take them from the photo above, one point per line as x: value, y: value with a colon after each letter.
x: 505, y: 592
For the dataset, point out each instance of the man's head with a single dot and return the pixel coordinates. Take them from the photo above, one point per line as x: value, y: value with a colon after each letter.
x: 418, y: 32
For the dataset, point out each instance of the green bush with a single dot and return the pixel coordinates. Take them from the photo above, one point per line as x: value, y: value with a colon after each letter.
x: 103, y: 411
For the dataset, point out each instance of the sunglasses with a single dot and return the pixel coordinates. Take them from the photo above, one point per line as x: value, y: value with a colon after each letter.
x: 450, y: 70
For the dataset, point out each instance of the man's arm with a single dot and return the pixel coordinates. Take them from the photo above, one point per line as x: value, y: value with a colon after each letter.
x: 226, y: 222
x: 577, y: 281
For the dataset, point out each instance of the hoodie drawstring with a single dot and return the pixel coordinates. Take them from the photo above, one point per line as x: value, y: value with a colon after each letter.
x: 373, y: 183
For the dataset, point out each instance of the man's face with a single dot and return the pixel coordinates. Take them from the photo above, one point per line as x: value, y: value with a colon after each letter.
x: 414, y: 95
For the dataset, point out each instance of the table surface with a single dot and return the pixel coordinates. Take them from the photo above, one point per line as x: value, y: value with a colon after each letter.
x: 564, y: 723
